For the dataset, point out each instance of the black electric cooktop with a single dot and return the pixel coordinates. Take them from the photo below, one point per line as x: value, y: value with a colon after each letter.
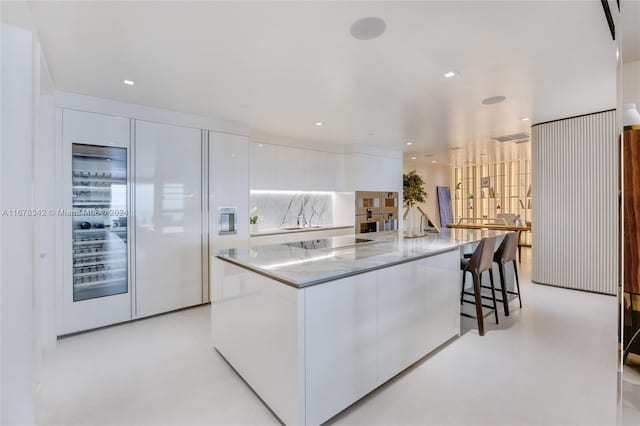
x: 328, y: 243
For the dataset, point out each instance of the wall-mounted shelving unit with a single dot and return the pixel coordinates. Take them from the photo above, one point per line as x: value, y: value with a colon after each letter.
x: 509, y: 191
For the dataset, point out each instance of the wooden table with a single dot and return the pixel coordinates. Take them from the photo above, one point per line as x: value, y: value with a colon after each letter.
x: 493, y: 227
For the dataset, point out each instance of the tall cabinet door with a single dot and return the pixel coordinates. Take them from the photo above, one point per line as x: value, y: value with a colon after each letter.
x: 96, y: 285
x: 228, y: 187
x: 168, y: 223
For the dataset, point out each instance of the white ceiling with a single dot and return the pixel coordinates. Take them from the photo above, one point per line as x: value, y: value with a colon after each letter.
x: 280, y: 67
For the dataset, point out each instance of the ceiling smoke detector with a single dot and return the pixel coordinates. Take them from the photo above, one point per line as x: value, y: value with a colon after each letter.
x: 368, y: 28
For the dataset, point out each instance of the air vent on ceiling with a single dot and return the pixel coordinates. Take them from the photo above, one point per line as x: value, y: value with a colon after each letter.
x: 522, y: 141
x: 513, y: 137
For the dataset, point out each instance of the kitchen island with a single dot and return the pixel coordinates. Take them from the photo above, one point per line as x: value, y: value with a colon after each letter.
x: 313, y: 326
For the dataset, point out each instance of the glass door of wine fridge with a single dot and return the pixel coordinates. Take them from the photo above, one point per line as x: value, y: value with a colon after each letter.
x: 99, y: 221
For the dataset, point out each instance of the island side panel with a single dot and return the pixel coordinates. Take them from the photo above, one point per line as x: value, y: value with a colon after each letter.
x: 402, y: 316
x: 341, y: 344
x: 418, y: 310
x: 258, y: 326
x: 444, y: 282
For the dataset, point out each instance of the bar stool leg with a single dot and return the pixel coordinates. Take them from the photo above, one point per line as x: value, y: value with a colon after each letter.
x: 519, y: 253
x: 464, y: 274
x: 478, y: 298
x: 515, y: 269
x: 493, y: 294
x: 503, y: 289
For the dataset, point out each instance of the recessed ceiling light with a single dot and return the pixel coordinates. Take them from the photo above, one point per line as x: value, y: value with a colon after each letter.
x: 129, y: 82
x: 368, y: 28
x: 451, y: 164
x: 450, y: 74
x: 319, y: 123
x: 524, y: 119
x: 409, y: 143
x: 433, y: 161
x: 260, y: 145
x: 413, y: 158
x: 493, y: 100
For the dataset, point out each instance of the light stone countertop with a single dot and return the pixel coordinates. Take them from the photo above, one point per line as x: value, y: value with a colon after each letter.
x: 305, y: 263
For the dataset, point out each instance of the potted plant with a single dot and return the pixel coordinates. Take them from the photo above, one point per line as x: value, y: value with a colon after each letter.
x: 413, y: 192
x: 253, y: 220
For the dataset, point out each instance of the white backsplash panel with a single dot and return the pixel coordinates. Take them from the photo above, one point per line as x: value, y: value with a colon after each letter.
x: 282, y: 209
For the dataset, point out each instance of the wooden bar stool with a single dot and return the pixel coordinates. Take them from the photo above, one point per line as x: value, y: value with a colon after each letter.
x: 507, y: 253
x: 480, y: 261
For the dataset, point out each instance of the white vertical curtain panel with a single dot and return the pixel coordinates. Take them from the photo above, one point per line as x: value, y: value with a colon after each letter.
x: 575, y: 203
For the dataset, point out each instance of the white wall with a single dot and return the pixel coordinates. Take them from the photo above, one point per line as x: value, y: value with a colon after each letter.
x: 27, y: 243
x: 17, y: 233
x: 45, y: 198
x: 631, y: 83
x: 433, y: 175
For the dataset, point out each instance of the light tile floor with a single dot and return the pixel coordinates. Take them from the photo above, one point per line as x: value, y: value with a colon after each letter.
x: 551, y: 363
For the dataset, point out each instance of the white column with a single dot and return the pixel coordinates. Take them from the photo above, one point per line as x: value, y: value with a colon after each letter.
x: 17, y: 232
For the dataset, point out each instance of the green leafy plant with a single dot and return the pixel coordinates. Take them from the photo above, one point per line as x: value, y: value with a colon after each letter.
x: 413, y: 189
x: 253, y: 216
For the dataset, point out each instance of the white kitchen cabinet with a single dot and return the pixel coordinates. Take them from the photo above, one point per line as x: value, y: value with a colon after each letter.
x: 260, y: 331
x: 443, y: 289
x: 95, y: 129
x: 310, y: 352
x: 228, y: 186
x: 342, y: 348
x: 292, y: 168
x: 418, y: 308
x: 274, y: 167
x: 316, y: 177
x: 334, y: 175
x: 263, y: 163
x: 402, y: 317
x: 375, y: 172
x: 169, y: 213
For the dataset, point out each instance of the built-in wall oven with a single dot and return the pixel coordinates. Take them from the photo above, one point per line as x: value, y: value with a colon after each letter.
x: 376, y: 211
